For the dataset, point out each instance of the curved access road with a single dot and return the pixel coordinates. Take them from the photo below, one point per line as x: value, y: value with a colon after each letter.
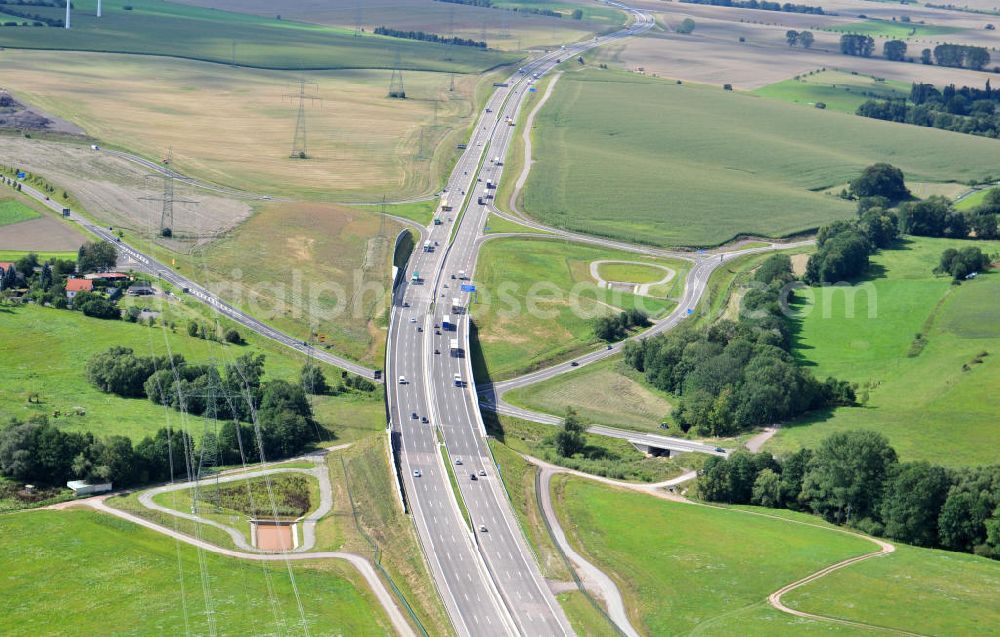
x: 385, y: 599
x: 308, y: 522
x: 609, y: 590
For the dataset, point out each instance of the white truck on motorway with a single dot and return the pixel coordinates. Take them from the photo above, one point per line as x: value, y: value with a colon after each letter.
x: 455, y: 348
x: 456, y: 305
x: 446, y: 323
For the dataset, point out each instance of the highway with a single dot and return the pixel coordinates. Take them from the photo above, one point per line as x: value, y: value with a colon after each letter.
x: 486, y: 575
x: 145, y: 263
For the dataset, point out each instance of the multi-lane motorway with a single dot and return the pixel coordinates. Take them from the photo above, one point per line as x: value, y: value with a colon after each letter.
x: 484, y: 570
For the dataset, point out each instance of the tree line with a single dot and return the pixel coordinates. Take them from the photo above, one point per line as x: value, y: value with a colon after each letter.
x: 733, y: 376
x: 763, y: 5
x: 36, y: 18
x: 960, y: 56
x: 263, y: 420
x: 855, y: 478
x: 962, y: 110
x: 239, y: 393
x: 428, y: 37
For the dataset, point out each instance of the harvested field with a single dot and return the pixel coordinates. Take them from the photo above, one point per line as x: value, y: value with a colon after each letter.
x: 500, y: 29
x: 111, y: 189
x: 234, y: 126
x: 41, y: 235
x: 713, y: 54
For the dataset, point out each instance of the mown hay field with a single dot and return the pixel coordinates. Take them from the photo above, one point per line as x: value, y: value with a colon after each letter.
x: 235, y: 126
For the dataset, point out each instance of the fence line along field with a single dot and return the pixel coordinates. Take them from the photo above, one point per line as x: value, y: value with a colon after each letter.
x: 690, y: 172
x: 235, y: 126
x: 152, y: 27
x: 499, y: 26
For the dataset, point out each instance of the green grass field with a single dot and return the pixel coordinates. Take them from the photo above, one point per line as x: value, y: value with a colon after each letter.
x: 630, y: 272
x: 680, y: 167
x: 607, y: 393
x: 176, y: 30
x: 13, y: 211
x: 840, y: 91
x: 927, y: 405
x: 528, y: 315
x: 14, y: 255
x: 891, y: 29
x: 973, y: 200
x: 46, y: 351
x: 927, y: 591
x: 114, y: 577
x: 684, y: 569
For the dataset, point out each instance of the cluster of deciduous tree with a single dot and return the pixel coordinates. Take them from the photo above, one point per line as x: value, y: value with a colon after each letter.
x: 961, y: 263
x: 843, y: 247
x: 428, y: 37
x: 764, y: 5
x: 278, y: 407
x: 209, y: 332
x: 96, y: 256
x: 38, y: 452
x: 961, y: 56
x: 736, y: 375
x: 615, y: 328
x: 859, y: 45
x: 962, y: 110
x: 803, y: 38
x: 894, y: 50
x: 855, y: 478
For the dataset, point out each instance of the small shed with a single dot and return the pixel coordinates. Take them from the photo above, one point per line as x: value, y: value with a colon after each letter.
x: 82, y: 487
x: 140, y: 289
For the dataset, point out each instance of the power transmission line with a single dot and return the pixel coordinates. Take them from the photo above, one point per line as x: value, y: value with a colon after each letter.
x: 300, y: 148
x: 167, y: 200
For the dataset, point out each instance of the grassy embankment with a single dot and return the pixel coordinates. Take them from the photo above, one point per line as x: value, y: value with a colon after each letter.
x: 722, y: 563
x: 45, y: 352
x: 140, y: 582
x: 928, y: 396
x: 528, y: 315
x: 688, y: 172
